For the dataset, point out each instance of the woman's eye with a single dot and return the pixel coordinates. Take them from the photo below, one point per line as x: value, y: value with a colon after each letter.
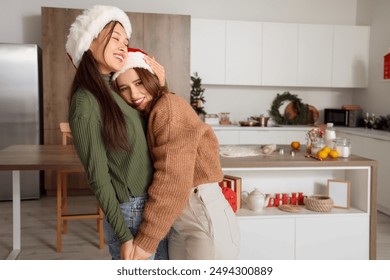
x: 123, y: 89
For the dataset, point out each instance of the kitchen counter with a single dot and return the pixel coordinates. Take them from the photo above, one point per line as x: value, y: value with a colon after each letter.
x: 286, y: 160
x: 269, y: 128
x: 342, y: 233
x: 365, y: 132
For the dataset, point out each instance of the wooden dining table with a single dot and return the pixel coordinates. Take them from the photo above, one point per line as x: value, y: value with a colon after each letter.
x: 17, y: 158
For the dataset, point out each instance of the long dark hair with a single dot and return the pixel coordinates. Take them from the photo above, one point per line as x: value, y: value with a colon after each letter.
x: 89, y: 77
x: 152, y: 86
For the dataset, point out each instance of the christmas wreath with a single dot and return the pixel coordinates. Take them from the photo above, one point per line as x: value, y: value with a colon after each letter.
x: 301, y: 108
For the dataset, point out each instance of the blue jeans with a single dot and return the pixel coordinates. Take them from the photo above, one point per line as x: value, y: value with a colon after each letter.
x: 133, y: 214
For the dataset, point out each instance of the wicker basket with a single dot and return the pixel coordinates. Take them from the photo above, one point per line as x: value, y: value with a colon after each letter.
x: 319, y: 203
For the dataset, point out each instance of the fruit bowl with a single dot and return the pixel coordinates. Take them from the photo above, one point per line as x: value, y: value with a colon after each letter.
x: 319, y: 203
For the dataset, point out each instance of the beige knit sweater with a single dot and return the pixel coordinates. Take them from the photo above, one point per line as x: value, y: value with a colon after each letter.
x: 185, y: 152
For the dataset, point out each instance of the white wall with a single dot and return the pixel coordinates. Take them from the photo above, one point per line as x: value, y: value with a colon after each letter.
x: 21, y: 23
x: 376, y: 98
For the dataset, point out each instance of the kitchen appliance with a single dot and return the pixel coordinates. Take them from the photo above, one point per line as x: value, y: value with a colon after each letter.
x: 343, y: 117
x: 20, y: 110
x: 263, y: 121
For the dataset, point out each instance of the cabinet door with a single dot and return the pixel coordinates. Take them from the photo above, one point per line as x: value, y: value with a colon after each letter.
x: 280, y: 54
x: 243, y: 52
x: 350, y: 56
x: 299, y: 135
x: 262, y: 137
x: 315, y: 55
x: 332, y: 238
x: 267, y: 239
x: 208, y: 50
x: 227, y: 137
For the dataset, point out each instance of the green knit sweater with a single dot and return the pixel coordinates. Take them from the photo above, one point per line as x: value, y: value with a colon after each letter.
x: 112, y: 176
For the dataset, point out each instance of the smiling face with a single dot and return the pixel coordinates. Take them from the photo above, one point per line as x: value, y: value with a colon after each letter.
x: 110, y: 48
x: 133, y: 91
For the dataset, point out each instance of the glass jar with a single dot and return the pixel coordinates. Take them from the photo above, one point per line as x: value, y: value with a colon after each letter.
x: 224, y: 118
x: 343, y: 147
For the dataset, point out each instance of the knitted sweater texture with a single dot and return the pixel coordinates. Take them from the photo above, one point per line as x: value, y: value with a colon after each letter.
x: 112, y: 175
x: 185, y: 154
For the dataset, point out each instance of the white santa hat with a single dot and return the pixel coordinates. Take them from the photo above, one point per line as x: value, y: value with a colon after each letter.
x: 135, y: 59
x: 87, y: 27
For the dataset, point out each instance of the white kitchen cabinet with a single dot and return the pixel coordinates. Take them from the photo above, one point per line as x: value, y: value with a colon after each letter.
x: 280, y: 54
x: 243, y: 52
x: 315, y: 50
x: 227, y: 137
x: 350, y: 56
x: 297, y: 135
x: 275, y: 234
x: 262, y: 137
x: 208, y: 46
x: 260, y: 242
x: 343, y: 237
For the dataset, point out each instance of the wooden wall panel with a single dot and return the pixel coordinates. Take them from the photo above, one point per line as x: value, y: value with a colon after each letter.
x: 167, y: 37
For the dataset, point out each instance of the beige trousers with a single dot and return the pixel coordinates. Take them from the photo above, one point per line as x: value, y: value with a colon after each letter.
x: 207, y: 229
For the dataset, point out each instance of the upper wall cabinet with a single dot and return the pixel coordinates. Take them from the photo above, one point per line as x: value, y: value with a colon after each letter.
x: 208, y: 47
x: 243, y: 53
x: 279, y: 54
x: 226, y: 52
x: 350, y: 56
x: 315, y: 43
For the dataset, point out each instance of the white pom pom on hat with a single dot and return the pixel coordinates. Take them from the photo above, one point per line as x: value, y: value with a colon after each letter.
x: 87, y: 27
x: 135, y: 59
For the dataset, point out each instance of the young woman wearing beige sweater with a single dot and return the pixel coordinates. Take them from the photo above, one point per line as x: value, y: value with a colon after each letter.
x: 185, y: 199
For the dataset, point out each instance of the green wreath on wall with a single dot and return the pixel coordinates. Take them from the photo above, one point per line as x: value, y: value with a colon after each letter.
x: 274, y: 112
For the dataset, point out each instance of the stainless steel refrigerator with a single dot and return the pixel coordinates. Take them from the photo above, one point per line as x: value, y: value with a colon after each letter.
x: 20, y: 110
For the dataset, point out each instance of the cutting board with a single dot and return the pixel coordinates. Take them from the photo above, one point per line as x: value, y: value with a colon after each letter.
x: 291, y: 112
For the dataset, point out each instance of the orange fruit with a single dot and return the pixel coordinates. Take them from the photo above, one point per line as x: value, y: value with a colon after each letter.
x: 326, y: 149
x: 295, y: 145
x: 322, y: 154
x: 334, y: 154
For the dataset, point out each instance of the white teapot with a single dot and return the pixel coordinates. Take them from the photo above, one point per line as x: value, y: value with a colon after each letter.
x: 255, y: 200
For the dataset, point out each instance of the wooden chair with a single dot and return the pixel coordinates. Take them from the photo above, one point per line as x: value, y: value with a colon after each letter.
x: 62, y: 199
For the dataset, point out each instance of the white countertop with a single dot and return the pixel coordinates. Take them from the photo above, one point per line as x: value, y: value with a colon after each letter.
x: 272, y: 127
x: 365, y: 132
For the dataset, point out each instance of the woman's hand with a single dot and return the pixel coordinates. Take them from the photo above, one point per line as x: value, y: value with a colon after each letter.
x: 140, y: 254
x: 127, y: 249
x: 157, y: 68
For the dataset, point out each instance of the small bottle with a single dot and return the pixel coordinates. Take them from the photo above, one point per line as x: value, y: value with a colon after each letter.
x: 330, y: 135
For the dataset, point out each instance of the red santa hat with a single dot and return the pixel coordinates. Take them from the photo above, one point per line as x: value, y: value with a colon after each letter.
x: 87, y: 27
x: 135, y: 59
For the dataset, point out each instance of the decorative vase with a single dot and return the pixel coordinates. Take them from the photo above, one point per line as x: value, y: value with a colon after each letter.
x: 317, y: 145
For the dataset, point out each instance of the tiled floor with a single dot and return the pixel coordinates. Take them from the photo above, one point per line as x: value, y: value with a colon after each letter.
x: 39, y: 232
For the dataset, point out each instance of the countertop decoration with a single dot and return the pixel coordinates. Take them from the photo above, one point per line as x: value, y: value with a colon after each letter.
x: 315, y: 140
x: 197, y: 98
x: 284, y: 119
x: 382, y: 123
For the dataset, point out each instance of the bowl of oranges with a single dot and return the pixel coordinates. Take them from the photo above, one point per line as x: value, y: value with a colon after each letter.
x: 326, y: 152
